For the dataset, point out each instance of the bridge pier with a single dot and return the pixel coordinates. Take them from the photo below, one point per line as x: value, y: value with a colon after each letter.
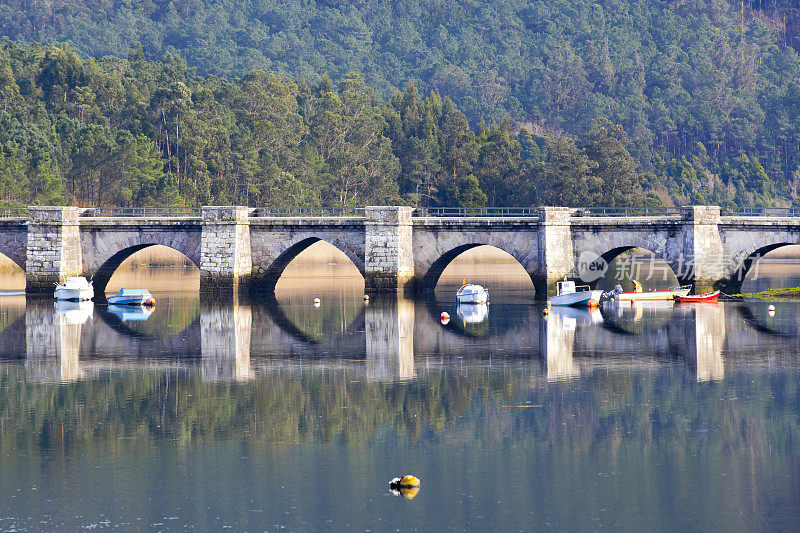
x: 226, y: 264
x: 702, y: 260
x: 556, y: 257
x: 53, y: 248
x: 388, y: 251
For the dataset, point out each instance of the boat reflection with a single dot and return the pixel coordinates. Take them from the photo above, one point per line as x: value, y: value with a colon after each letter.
x: 473, y: 313
x: 52, y: 341
x: 131, y: 313
x: 74, y: 312
x: 578, y: 315
x: 559, y: 340
x: 637, y: 318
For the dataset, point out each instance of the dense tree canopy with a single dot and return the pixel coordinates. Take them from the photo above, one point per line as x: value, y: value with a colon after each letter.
x: 703, y: 94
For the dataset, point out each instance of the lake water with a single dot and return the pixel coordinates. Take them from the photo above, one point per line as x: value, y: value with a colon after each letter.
x: 279, y: 415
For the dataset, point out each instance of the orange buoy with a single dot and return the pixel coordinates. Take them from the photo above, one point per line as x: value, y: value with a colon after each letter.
x: 592, y: 303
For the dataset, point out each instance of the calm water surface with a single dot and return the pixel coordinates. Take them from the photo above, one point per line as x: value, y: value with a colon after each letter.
x: 282, y: 415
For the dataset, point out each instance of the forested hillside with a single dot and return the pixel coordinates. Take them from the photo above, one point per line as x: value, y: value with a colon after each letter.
x: 706, y: 93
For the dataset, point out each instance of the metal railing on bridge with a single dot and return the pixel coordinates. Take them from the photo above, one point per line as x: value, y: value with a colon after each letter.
x: 626, y: 211
x: 493, y: 212
x: 13, y: 212
x: 760, y: 212
x: 308, y: 212
x: 455, y: 212
x: 141, y: 212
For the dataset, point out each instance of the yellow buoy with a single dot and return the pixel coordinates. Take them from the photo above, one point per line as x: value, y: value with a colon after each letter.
x: 409, y: 481
x: 409, y: 493
x: 405, y: 482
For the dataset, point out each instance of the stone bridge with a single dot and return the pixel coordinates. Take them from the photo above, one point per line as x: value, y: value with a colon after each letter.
x: 239, y: 247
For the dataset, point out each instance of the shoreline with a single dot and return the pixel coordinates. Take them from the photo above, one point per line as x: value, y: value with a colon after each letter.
x: 788, y: 294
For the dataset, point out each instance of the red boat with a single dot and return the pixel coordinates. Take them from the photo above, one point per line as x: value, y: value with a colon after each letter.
x: 707, y: 297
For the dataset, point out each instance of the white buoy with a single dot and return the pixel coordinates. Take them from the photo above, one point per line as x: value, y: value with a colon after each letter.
x: 317, y: 301
x: 366, y: 297
x: 771, y: 308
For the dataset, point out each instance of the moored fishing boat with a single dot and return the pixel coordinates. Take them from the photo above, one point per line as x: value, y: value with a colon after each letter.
x: 570, y: 295
x: 472, y: 294
x: 705, y: 297
x: 639, y: 295
x: 132, y: 297
x: 75, y: 288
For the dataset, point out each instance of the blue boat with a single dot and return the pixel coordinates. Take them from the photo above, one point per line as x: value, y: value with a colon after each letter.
x: 132, y: 297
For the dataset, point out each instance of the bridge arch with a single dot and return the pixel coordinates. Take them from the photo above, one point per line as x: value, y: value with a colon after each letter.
x: 742, y: 262
x: 615, y: 253
x: 663, y: 242
x: 14, y: 243
x: 104, y: 249
x: 102, y: 274
x: 431, y: 260
x: 13, y: 278
x: 284, y: 252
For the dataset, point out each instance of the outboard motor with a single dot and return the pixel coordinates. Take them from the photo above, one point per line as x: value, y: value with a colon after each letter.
x: 611, y: 295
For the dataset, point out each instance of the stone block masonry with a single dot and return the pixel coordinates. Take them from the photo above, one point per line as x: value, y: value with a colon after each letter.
x: 556, y: 256
x: 388, y: 251
x: 53, y: 247
x: 225, y: 261
x: 702, y: 247
x: 234, y: 249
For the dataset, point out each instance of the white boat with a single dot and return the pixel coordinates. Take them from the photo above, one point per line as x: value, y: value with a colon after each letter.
x: 639, y: 295
x: 132, y: 297
x: 472, y: 294
x: 569, y: 294
x: 75, y: 288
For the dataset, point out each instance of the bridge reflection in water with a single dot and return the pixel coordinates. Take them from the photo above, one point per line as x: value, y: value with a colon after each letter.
x: 577, y: 340
x: 391, y: 339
